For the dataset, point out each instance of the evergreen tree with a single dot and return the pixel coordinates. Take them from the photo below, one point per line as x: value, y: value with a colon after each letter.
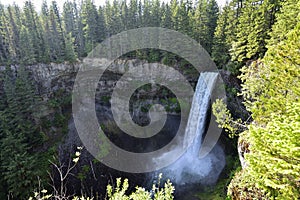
x: 89, y: 17
x: 102, y: 26
x: 4, y: 48
x: 70, y: 52
x: 271, y: 91
x: 46, y: 34
x: 140, y: 14
x: 79, y: 33
x: 205, y: 22
x: 146, y: 14
x: 183, y: 20
x: 68, y: 18
x: 174, y: 14
x: 221, y: 46
x: 116, y: 25
x: 108, y: 18
x: 287, y: 18
x: 166, y: 20
x: 124, y: 15
x: 255, y: 23
x: 31, y: 22
x: 18, y: 135
x: 212, y: 16
x: 133, y: 15
x: 27, y: 52
x: 57, y: 45
x: 155, y: 13
x: 13, y: 27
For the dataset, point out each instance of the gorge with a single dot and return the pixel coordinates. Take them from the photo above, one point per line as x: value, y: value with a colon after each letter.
x: 53, y: 78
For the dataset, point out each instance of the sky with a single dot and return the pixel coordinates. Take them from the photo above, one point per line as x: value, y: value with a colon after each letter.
x: 60, y: 3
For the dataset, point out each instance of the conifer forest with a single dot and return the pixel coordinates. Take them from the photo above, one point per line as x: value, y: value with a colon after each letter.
x: 255, y: 48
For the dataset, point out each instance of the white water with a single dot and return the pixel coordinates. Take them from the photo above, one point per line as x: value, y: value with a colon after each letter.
x: 189, y: 168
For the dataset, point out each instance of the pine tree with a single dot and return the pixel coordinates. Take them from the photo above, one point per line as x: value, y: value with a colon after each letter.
x: 287, y: 18
x: 4, y: 48
x: 31, y: 22
x: 46, y: 34
x: 27, y: 52
x: 139, y: 14
x: 57, y: 45
x: 116, y: 26
x: 200, y: 20
x: 89, y: 17
x: 155, y: 13
x: 183, y: 20
x: 146, y: 14
x: 13, y: 27
x: 70, y: 52
x: 18, y: 133
x: 212, y: 15
x: 133, y: 14
x: 68, y: 18
x: 273, y: 98
x: 102, y: 26
x: 271, y: 88
x: 221, y: 46
x: 70, y: 31
x: 255, y: 23
x: 79, y: 33
x: 108, y: 18
x: 166, y: 21
x: 174, y: 14
x: 124, y: 15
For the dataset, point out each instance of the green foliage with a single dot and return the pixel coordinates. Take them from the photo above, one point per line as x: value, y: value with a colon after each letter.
x: 19, y: 135
x: 273, y: 83
x: 64, y: 35
x: 234, y: 67
x: 271, y: 88
x: 105, y: 99
x: 70, y: 52
x: 286, y: 20
x: 242, y: 32
x: 220, y: 48
x: 205, y: 22
x: 59, y: 120
x: 119, y: 193
x: 253, y: 29
x: 219, y: 191
x: 225, y: 120
x: 83, y: 173
x: 280, y: 175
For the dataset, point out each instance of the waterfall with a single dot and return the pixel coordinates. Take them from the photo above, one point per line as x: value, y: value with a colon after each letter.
x: 189, y: 168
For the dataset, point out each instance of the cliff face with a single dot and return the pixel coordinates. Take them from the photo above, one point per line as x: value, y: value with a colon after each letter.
x: 52, y: 78
x: 57, y: 80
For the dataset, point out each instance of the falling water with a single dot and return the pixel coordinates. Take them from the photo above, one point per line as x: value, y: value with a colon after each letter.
x: 189, y: 168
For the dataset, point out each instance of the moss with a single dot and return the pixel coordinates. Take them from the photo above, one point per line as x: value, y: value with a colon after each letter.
x: 219, y: 191
x: 105, y: 99
x: 216, y: 193
x: 147, y: 87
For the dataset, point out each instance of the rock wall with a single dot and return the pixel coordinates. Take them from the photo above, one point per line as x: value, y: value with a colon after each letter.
x: 50, y: 78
